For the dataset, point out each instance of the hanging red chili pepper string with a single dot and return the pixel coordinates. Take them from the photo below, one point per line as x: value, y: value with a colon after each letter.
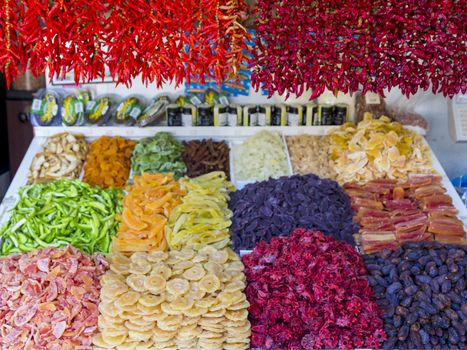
x: 12, y: 56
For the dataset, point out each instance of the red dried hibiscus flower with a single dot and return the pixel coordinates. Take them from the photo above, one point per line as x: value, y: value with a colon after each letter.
x: 309, y: 291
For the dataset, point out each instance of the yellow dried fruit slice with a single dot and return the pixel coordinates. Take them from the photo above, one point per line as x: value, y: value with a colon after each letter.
x: 235, y: 266
x: 196, y: 292
x: 182, y: 303
x: 114, y: 340
x: 140, y: 269
x: 237, y: 315
x: 140, y: 335
x: 128, y: 345
x: 111, y: 291
x: 155, y: 284
x: 111, y: 277
x: 194, y: 273
x: 178, y: 286
x: 207, y: 302
x: 151, y: 300
x: 157, y: 256
x: 126, y: 299
x: 173, y: 320
x: 214, y: 268
x: 209, y: 283
x: 136, y: 282
x: 162, y: 270
x: 240, y: 305
x: 195, y: 311
x: 219, y: 256
x: 183, y: 265
x: 133, y: 221
x: 234, y: 286
x: 108, y: 309
x: 167, y: 308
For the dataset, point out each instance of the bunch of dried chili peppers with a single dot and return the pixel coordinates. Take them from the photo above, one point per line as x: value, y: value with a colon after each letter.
x: 371, y: 45
x: 160, y: 40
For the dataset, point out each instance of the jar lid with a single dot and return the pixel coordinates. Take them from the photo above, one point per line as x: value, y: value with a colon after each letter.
x: 187, y: 110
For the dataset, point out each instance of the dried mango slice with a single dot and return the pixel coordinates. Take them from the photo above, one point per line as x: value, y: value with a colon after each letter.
x: 149, y: 202
x: 203, y: 217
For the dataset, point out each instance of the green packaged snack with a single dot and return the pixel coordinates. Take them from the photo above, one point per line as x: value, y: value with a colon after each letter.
x: 45, y: 108
x: 98, y: 111
x: 72, y: 111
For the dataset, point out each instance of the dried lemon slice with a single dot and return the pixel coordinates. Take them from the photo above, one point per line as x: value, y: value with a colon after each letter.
x: 178, y: 286
x: 136, y: 282
x: 126, y: 299
x: 154, y: 283
x: 194, y: 273
x: 209, y: 283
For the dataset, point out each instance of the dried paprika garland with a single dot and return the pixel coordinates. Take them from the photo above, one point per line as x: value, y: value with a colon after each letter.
x: 12, y: 56
x: 370, y: 45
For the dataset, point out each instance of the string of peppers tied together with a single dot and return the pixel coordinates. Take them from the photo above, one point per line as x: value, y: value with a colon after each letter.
x: 346, y: 45
x: 161, y: 40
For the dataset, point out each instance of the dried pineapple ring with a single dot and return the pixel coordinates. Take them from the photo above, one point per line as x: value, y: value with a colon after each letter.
x: 137, y: 327
x: 182, y: 303
x: 140, y: 335
x: 100, y: 342
x: 142, y: 322
x: 136, y: 282
x: 154, y: 283
x: 113, y: 290
x: 207, y: 302
x: 234, y: 286
x: 219, y: 256
x: 209, y: 283
x: 183, y: 265
x: 237, y: 315
x: 207, y: 251
x: 167, y: 308
x: 232, y: 255
x: 114, y: 341
x: 230, y: 298
x: 121, y: 269
x: 239, y: 305
x: 140, y: 268
x: 151, y: 300
x: 139, y: 258
x: 173, y: 320
x: 162, y: 270
x: 144, y: 345
x: 114, y: 332
x: 108, y: 308
x: 235, y: 266
x: 196, y: 292
x: 110, y: 277
x: 127, y: 299
x: 178, y: 286
x: 195, y: 311
x: 157, y: 256
x: 214, y: 268
x: 195, y: 273
x: 128, y: 345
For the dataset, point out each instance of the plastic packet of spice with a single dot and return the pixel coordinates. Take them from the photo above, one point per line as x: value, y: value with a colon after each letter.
x: 99, y: 109
x: 72, y: 110
x: 128, y: 110
x: 154, y: 111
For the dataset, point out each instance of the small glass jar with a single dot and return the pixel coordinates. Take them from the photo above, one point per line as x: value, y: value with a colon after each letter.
x: 205, y: 115
x: 174, y: 115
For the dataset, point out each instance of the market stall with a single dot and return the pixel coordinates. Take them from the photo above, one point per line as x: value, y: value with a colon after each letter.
x: 261, y: 193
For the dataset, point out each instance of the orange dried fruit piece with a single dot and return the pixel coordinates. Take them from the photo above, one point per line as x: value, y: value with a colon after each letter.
x: 132, y: 221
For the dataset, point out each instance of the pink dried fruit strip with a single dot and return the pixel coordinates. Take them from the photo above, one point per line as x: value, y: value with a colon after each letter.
x: 49, y: 299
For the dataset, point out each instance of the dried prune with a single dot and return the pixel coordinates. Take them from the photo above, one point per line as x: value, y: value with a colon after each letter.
x: 424, y: 295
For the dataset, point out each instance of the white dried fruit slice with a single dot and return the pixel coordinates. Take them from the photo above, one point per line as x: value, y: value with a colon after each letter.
x: 157, y: 256
x: 182, y: 303
x: 178, y: 286
x: 140, y: 269
x: 136, y: 282
x: 114, y: 341
x: 194, y: 273
x: 234, y: 286
x: 209, y: 283
x: 195, y: 311
x: 237, y: 315
x: 167, y: 308
x: 140, y: 258
x: 140, y: 335
x: 154, y: 283
x: 151, y: 300
x: 126, y: 299
x: 214, y: 268
x: 219, y: 256
x: 162, y: 270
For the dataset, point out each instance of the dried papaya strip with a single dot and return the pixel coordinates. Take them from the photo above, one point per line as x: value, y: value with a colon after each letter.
x: 146, y: 209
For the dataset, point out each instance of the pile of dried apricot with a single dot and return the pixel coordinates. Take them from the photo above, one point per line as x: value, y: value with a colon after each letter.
x: 108, y: 162
x: 146, y: 209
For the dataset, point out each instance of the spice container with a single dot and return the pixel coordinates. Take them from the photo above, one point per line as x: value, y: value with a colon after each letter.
x: 279, y: 117
x: 295, y: 116
x: 188, y: 115
x: 250, y: 115
x: 264, y: 115
x: 341, y: 114
x: 220, y: 115
x: 205, y: 115
x: 326, y: 114
x: 235, y: 113
x: 312, y: 115
x: 174, y: 115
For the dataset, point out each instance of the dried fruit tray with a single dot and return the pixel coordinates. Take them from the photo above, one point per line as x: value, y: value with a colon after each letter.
x: 233, y: 136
